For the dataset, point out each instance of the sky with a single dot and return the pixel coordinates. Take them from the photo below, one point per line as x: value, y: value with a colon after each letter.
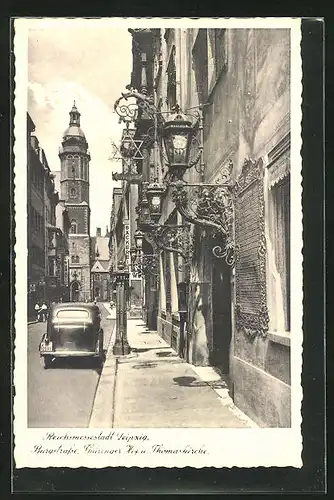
x: 89, y: 62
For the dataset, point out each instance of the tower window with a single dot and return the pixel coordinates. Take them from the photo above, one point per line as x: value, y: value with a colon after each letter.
x: 73, y: 226
x: 73, y: 193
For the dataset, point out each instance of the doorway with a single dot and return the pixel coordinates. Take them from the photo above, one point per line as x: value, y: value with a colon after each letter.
x: 221, y: 316
x: 75, y: 291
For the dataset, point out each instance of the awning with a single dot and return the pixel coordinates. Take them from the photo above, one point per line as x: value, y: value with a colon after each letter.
x: 279, y: 169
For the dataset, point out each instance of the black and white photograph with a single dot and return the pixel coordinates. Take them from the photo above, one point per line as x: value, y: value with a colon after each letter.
x: 159, y: 242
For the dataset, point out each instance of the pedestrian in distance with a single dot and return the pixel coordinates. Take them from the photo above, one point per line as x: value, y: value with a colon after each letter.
x: 44, y: 310
x: 38, y: 311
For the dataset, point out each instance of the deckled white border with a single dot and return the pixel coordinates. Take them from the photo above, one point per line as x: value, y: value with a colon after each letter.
x: 226, y: 447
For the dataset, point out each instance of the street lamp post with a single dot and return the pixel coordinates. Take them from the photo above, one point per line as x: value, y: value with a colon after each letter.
x: 121, y: 279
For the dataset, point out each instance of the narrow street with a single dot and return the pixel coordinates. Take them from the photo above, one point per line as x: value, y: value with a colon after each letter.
x: 62, y: 396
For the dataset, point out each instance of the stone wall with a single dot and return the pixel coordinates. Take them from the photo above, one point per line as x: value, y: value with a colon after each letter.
x: 81, y: 215
x: 248, y: 114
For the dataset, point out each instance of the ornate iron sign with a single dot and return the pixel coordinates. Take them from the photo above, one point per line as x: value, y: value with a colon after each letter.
x: 212, y: 207
x: 250, y: 268
x: 129, y: 177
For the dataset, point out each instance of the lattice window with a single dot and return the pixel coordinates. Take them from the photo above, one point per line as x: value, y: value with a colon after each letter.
x: 250, y: 269
x: 168, y: 289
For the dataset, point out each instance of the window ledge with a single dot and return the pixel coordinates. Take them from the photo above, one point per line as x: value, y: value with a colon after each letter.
x: 279, y: 338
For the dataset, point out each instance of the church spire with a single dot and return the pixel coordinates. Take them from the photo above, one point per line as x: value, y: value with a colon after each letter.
x: 74, y: 116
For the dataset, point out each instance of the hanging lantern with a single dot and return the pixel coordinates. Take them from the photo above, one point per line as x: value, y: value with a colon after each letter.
x: 177, y: 135
x: 138, y: 236
x: 154, y: 196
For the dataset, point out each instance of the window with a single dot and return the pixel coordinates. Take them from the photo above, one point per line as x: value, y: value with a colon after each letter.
x: 73, y: 193
x: 37, y: 221
x: 171, y: 80
x: 200, y: 65
x: 279, y: 234
x: 51, y: 267
x: 218, y: 50
x: 77, y: 260
x: 280, y: 237
x: 73, y: 313
x: 73, y: 229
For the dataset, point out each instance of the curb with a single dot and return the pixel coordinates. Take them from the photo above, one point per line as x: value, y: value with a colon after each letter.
x: 32, y: 322
x: 226, y: 399
x: 103, y: 406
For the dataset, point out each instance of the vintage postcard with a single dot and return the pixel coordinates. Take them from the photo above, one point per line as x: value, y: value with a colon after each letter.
x: 158, y: 215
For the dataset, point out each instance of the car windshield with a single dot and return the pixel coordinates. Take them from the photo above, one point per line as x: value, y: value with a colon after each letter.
x: 73, y: 314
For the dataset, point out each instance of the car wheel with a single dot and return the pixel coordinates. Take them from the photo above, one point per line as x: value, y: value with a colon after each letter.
x: 47, y: 362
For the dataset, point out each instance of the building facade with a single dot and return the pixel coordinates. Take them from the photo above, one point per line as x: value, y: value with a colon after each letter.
x: 100, y: 270
x: 74, y: 158
x: 237, y: 316
x: 60, y: 245
x: 122, y: 229
x: 42, y: 200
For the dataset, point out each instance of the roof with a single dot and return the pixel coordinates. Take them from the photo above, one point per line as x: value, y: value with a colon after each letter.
x: 100, y: 266
x: 74, y: 131
x: 74, y: 305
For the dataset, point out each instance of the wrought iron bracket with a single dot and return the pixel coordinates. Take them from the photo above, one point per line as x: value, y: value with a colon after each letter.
x: 171, y: 238
x: 145, y: 264
x: 210, y: 206
x: 150, y: 264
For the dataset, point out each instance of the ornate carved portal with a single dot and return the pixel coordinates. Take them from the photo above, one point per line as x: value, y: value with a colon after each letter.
x: 250, y: 267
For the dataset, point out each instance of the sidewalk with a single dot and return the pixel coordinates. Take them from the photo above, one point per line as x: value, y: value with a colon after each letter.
x: 111, y: 312
x: 154, y: 387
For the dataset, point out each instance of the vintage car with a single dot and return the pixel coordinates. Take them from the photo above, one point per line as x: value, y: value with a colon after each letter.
x: 73, y: 330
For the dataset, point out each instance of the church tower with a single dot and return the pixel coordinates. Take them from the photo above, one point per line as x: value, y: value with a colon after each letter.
x: 74, y: 186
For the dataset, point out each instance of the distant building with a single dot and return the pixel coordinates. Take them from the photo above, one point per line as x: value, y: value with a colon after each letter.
x: 42, y: 199
x: 74, y: 158
x: 116, y: 246
x: 122, y: 228
x: 100, y: 270
x: 60, y: 242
